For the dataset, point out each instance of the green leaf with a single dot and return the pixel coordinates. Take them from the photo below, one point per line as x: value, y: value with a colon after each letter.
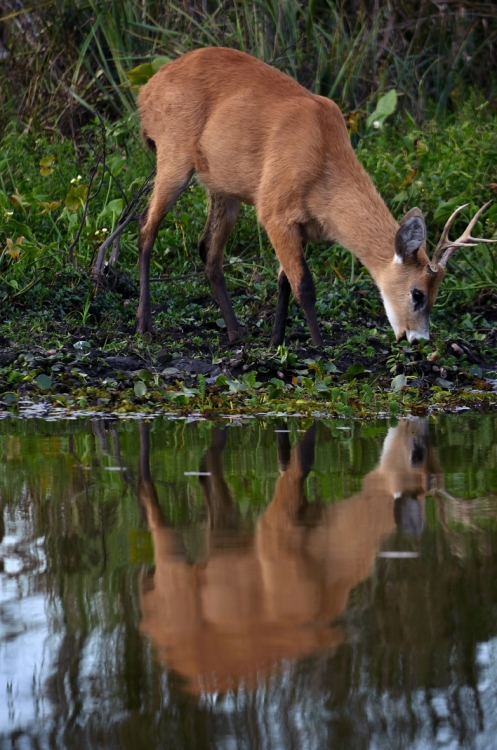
x: 354, y: 371
x: 220, y: 322
x: 145, y: 375
x: 140, y: 389
x: 385, y: 107
x: 330, y: 367
x: 398, y: 382
x: 158, y: 62
x: 76, y: 197
x: 446, y: 209
x: 113, y: 208
x: 394, y: 408
x: 138, y: 76
x: 46, y: 165
x: 9, y: 398
x: 44, y: 382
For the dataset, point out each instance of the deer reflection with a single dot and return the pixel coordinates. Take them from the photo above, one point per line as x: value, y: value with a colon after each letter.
x: 274, y: 593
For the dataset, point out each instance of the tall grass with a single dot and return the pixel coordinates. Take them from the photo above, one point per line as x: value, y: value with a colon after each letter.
x: 79, y: 50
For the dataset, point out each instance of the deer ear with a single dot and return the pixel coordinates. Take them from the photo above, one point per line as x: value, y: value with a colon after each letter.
x: 410, y: 236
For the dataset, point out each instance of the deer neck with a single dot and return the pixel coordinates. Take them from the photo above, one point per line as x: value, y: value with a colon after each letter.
x: 358, y: 218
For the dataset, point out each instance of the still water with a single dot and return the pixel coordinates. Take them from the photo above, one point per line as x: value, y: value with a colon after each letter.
x: 249, y: 584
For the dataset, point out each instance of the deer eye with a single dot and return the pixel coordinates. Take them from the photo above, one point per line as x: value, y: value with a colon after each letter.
x: 418, y: 297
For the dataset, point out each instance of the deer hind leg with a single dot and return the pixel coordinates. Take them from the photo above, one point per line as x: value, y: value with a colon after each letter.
x: 172, y: 179
x: 223, y: 213
x: 284, y: 289
x: 294, y: 273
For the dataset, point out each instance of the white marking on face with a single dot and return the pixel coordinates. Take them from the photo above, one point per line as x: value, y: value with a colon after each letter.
x: 397, y: 258
x: 416, y: 335
x: 392, y: 317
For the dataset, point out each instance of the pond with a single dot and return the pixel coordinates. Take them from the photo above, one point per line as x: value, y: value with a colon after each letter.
x: 248, y: 583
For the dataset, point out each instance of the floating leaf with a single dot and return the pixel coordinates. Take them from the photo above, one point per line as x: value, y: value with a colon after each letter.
x: 9, y: 398
x: 330, y: 368
x: 445, y: 384
x: 399, y: 382
x: 145, y: 375
x: 140, y: 389
x: 44, y: 382
x: 476, y: 371
x: 220, y: 322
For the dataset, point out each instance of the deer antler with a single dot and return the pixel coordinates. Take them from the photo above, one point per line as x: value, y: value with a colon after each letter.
x: 465, y: 240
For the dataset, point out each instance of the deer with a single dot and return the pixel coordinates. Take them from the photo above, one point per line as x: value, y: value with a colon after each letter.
x: 253, y: 135
x: 254, y: 597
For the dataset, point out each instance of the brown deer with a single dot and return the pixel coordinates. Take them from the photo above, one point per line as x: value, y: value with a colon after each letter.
x: 253, y: 135
x: 254, y: 598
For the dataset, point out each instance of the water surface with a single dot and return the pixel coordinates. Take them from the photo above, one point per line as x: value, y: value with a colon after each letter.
x: 249, y: 584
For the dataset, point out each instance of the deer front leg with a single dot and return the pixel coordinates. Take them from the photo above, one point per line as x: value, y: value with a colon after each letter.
x: 287, y: 243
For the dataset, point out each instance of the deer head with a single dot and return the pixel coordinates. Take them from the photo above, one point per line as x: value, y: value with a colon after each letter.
x: 408, y: 311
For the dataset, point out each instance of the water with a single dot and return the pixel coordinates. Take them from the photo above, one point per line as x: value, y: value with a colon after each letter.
x: 249, y: 584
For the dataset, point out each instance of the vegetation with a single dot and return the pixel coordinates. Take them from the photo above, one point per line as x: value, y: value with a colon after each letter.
x: 71, y: 159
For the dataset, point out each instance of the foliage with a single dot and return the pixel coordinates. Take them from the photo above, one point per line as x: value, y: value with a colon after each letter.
x: 66, y: 58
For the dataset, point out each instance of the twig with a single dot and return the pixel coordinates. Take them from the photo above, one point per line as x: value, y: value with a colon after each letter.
x: 136, y: 204
x: 130, y: 213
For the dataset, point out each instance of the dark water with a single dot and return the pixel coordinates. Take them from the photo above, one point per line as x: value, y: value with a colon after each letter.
x: 256, y: 585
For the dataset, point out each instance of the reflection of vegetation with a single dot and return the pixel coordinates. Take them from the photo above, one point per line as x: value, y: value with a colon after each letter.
x: 410, y: 613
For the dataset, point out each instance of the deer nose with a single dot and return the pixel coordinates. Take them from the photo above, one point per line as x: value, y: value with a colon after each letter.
x: 414, y: 336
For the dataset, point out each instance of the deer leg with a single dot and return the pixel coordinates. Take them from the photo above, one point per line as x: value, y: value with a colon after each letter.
x: 147, y: 493
x: 170, y: 182
x: 223, y: 213
x: 222, y: 510
x: 284, y: 289
x: 284, y: 449
x: 287, y: 243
